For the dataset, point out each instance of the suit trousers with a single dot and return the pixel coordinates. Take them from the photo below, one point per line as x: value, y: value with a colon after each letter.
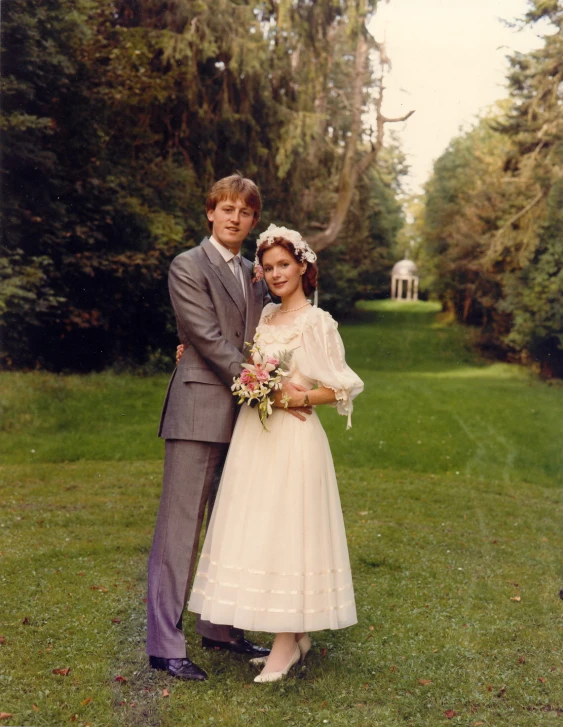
x: 191, y: 477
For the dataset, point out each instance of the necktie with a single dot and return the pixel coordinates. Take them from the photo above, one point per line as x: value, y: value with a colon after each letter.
x: 238, y: 273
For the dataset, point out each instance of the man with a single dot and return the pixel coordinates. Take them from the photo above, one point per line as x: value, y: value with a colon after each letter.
x: 217, y: 309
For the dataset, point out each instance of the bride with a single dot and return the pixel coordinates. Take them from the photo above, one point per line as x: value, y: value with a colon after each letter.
x: 275, y: 557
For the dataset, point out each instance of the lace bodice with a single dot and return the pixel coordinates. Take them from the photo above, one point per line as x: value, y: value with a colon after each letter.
x: 318, y: 353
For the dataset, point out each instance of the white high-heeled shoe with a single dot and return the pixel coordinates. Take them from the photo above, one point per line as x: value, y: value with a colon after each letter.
x: 304, y: 645
x: 274, y: 676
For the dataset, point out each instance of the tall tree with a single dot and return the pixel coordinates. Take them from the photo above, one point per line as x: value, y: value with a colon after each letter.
x: 463, y: 201
x: 492, y: 219
x: 119, y: 114
x: 528, y: 244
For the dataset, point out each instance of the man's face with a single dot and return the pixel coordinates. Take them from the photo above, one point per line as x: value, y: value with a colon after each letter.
x: 232, y: 220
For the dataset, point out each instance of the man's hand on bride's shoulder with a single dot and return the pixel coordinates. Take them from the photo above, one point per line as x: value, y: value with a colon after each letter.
x: 179, y: 352
x: 290, y: 398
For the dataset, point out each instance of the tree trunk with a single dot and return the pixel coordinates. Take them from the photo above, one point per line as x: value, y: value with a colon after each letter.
x: 353, y: 168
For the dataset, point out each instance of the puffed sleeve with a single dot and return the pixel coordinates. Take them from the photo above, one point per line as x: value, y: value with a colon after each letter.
x: 320, y: 357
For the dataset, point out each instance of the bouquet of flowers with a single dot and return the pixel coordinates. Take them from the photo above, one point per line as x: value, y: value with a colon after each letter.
x: 260, y: 379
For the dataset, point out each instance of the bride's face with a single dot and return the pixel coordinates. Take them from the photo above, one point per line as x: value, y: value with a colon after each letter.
x: 282, y: 271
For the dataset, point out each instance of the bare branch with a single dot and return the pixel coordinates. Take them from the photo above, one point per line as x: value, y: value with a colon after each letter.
x: 399, y: 118
x: 352, y: 168
x: 522, y: 212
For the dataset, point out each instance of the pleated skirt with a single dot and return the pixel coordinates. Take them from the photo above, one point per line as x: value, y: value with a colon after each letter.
x: 275, y: 557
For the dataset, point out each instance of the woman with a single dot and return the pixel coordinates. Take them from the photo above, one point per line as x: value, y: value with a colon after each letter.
x: 275, y: 557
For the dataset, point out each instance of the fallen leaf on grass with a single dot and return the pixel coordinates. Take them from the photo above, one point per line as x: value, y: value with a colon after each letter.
x: 424, y: 682
x: 2, y: 639
x: 25, y: 622
x: 449, y: 713
x: 393, y: 668
x: 35, y: 708
x: 62, y: 672
x: 542, y: 680
x: 323, y: 652
x: 116, y: 620
x: 521, y: 659
x: 119, y: 678
x: 478, y: 724
x: 502, y: 691
x: 86, y: 701
x: 165, y: 693
x: 6, y: 715
x: 515, y: 598
x: 103, y: 589
x: 73, y: 717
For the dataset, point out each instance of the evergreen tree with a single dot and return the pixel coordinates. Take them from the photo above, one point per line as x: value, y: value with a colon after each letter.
x: 118, y: 116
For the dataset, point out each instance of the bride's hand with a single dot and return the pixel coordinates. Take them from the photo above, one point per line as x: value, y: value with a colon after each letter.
x: 179, y: 352
x: 288, y: 397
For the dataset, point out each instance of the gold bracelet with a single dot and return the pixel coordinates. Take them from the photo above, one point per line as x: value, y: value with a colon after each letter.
x: 306, y: 400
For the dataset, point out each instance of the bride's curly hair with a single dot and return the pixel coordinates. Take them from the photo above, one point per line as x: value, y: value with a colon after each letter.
x: 310, y: 276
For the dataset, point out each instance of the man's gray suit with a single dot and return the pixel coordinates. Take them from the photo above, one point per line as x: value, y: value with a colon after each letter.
x: 214, y: 321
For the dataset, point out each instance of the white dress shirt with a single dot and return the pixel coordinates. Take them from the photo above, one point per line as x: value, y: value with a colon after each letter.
x: 228, y: 257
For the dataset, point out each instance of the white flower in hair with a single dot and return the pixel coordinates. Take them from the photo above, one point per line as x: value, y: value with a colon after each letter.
x: 303, y: 250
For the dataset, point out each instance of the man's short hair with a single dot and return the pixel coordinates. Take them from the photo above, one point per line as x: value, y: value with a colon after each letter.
x: 234, y: 187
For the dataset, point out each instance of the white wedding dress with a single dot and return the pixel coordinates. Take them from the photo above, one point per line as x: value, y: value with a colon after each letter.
x: 275, y: 557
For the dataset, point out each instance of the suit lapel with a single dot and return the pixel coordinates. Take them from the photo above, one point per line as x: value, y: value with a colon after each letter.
x: 250, y: 299
x: 225, y: 275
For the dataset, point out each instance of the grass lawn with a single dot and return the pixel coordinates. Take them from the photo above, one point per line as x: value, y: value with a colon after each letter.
x: 451, y: 485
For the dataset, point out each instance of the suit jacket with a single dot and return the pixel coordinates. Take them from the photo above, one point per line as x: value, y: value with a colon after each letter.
x: 214, y: 321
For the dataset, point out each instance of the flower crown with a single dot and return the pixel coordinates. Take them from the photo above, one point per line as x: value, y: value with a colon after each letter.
x: 303, y: 251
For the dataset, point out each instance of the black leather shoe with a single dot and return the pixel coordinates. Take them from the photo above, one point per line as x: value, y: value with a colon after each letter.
x: 239, y: 646
x: 179, y: 668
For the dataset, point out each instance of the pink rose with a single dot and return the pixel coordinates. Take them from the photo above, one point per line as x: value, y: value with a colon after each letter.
x: 246, y: 377
x: 258, y: 273
x: 271, y: 363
